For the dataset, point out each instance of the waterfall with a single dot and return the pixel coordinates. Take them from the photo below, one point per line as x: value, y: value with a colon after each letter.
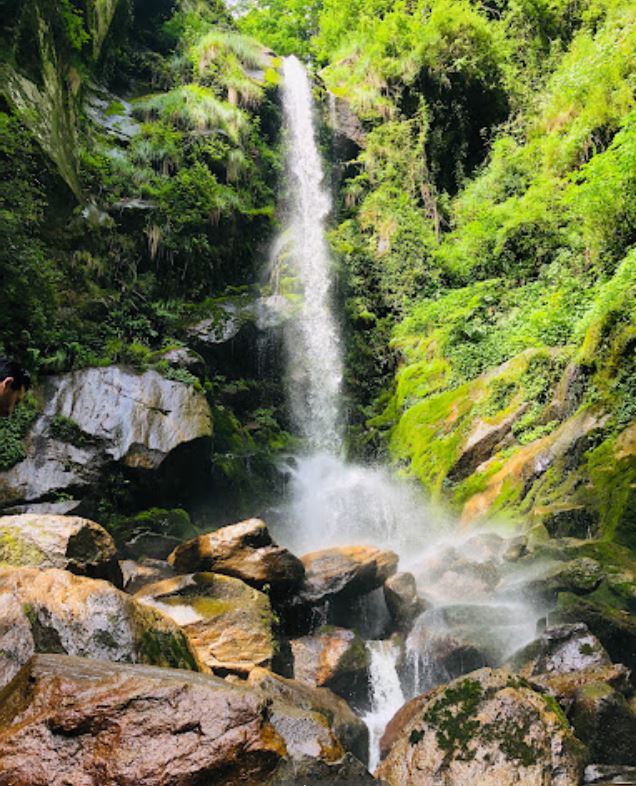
x: 386, y: 694
x: 314, y: 355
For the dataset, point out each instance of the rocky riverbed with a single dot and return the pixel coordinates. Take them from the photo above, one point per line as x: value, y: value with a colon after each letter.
x: 235, y: 661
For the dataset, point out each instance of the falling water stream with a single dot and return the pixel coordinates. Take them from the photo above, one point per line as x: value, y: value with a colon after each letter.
x: 331, y: 501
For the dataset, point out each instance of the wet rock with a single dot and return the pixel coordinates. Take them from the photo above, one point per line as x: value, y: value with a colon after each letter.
x: 73, y: 721
x: 486, y: 729
x: 348, y: 728
x: 228, y: 623
x: 605, y: 774
x: 245, y: 551
x: 53, y: 611
x: 516, y: 548
x: 99, y: 417
x: 402, y: 718
x: 151, y: 545
x: 579, y: 576
x: 615, y: 628
x: 346, y: 571
x: 402, y: 600
x: 573, y: 521
x: 333, y: 658
x: 605, y: 722
x: 560, y: 650
x: 346, y: 123
x: 68, y: 542
x: 311, y: 772
x: 139, y: 574
x: 564, y: 687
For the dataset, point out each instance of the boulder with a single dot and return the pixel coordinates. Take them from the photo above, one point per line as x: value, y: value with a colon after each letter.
x: 147, y: 571
x: 579, y: 576
x: 402, y: 600
x: 53, y: 611
x: 245, y: 551
x: 68, y: 542
x: 152, y: 545
x: 98, y: 417
x: 333, y: 658
x: 605, y: 722
x: 346, y: 571
x: 486, y: 728
x: 229, y: 624
x: 74, y: 721
x: 614, y: 627
x: 352, y: 732
x: 560, y: 650
x: 604, y: 774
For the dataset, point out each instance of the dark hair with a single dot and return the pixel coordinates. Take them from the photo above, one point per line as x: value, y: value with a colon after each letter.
x: 11, y: 368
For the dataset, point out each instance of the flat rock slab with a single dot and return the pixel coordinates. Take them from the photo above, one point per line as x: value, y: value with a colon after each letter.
x: 245, y: 551
x: 229, y: 624
x: 53, y: 611
x: 346, y: 571
x: 68, y: 542
x: 76, y: 722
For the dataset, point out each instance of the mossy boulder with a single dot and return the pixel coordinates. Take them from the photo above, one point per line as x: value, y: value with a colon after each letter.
x: 68, y: 542
x: 53, y: 611
x: 487, y: 728
x: 230, y: 624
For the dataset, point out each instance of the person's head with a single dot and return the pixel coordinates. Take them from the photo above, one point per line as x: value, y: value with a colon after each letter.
x: 14, y: 383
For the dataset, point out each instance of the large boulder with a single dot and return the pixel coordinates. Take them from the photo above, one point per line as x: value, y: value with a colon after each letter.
x: 68, y: 542
x: 245, y: 551
x: 334, y: 658
x: 346, y: 571
x: 53, y: 611
x: 76, y: 721
x: 488, y: 729
x: 345, y: 724
x: 98, y: 417
x: 229, y: 624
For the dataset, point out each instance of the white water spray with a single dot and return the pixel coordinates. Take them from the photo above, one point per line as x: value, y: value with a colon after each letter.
x: 386, y: 694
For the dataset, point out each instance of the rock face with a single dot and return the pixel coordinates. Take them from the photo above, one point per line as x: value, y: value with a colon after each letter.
x: 486, y: 729
x: 348, y: 728
x: 333, y: 658
x: 100, y: 416
x: 77, y: 722
x: 228, y: 623
x: 346, y: 571
x: 73, y: 721
x: 68, y: 542
x: 245, y: 551
x: 53, y: 611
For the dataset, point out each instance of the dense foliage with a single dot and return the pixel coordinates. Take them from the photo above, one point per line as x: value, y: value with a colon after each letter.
x: 486, y: 230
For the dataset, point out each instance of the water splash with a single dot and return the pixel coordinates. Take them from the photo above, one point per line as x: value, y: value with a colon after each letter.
x: 386, y: 694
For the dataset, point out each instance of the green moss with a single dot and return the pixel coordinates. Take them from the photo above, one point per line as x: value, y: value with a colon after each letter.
x: 13, y: 431
x: 67, y: 430
x: 17, y: 551
x: 166, y: 648
x: 452, y: 718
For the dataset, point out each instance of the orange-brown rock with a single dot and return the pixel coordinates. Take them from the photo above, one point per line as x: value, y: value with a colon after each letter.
x: 350, y: 730
x: 229, y: 624
x: 333, y: 658
x: 56, y: 611
x: 76, y: 722
x: 346, y: 571
x: 245, y: 551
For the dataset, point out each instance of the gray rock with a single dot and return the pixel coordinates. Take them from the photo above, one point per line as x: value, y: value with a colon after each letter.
x: 560, y: 650
x: 116, y: 417
x: 402, y: 600
x: 605, y: 722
